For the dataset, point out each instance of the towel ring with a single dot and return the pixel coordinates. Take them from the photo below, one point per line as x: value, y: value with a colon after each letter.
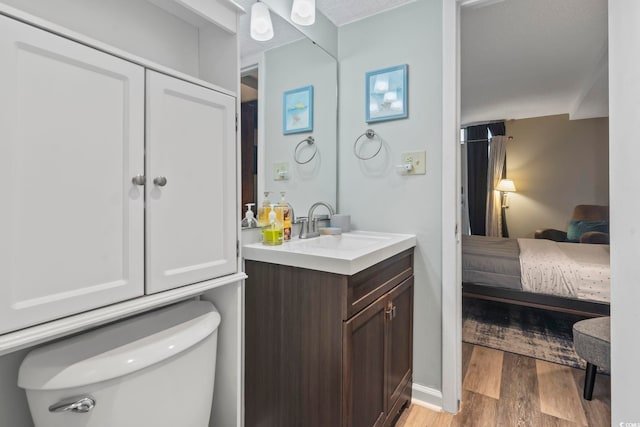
x: 310, y: 141
x: 370, y: 134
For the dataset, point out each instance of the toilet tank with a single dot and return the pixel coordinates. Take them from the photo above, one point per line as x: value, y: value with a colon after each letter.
x: 155, y: 370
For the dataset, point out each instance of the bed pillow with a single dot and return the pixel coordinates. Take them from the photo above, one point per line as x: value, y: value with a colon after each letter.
x: 578, y: 228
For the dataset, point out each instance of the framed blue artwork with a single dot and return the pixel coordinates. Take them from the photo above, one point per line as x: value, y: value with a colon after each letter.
x: 387, y: 94
x: 297, y: 114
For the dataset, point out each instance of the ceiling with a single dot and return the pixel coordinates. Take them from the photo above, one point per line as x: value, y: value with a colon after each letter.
x: 531, y: 58
x: 342, y: 12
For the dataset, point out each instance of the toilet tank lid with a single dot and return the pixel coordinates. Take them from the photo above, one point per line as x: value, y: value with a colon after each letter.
x: 118, y: 349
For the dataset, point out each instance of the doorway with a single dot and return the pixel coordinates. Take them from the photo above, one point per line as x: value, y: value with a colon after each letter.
x: 452, y: 354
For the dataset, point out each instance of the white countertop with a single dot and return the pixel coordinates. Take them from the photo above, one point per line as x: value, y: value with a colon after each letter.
x: 347, y: 253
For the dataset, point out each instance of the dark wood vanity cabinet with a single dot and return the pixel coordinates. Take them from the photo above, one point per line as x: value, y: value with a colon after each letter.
x: 325, y: 349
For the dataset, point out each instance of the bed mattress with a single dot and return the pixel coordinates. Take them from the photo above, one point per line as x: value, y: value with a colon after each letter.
x: 569, y: 270
x: 493, y: 261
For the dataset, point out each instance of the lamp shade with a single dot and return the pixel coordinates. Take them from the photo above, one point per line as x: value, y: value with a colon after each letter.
x: 506, y: 185
x: 261, y: 26
x: 303, y: 12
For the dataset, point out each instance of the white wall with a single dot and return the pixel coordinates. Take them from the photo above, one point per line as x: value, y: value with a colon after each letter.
x: 624, y: 109
x: 371, y: 191
x: 290, y: 67
x: 135, y: 26
x: 556, y: 164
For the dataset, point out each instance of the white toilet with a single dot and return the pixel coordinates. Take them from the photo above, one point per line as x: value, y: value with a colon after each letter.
x: 153, y: 370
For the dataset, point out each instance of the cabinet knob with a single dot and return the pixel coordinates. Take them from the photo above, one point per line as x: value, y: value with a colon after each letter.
x: 138, y: 180
x: 160, y: 181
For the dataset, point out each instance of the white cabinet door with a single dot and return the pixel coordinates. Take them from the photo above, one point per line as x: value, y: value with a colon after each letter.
x: 71, y: 138
x: 191, y: 219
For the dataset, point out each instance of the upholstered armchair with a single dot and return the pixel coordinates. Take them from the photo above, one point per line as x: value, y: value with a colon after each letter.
x: 589, y: 224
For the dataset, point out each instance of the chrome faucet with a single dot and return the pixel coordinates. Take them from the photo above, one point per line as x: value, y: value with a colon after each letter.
x: 309, y: 226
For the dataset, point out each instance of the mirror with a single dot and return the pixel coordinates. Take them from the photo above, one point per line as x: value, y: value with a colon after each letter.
x: 287, y: 162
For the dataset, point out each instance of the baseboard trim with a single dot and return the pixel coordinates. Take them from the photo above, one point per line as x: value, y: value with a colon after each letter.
x: 427, y: 397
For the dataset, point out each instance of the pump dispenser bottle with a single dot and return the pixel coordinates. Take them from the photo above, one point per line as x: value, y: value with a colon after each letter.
x: 263, y: 211
x: 272, y: 233
x: 249, y: 221
x: 286, y: 217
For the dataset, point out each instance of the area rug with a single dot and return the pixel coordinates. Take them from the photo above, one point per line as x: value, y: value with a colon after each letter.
x: 528, y: 331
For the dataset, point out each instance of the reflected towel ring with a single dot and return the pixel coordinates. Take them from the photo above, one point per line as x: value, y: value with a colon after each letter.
x: 310, y: 141
x: 370, y: 134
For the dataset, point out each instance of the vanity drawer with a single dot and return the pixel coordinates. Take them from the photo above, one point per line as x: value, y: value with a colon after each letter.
x: 366, y: 286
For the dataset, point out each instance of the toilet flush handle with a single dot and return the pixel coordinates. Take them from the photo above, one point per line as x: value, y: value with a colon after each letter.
x: 78, y: 404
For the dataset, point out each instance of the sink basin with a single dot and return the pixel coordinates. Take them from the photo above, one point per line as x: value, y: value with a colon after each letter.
x: 343, y: 242
x: 347, y: 253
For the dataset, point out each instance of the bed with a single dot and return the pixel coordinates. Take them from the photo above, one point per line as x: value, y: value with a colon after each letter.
x: 570, y: 277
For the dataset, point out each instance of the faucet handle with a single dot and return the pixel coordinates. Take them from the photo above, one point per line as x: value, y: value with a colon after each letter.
x: 304, y: 221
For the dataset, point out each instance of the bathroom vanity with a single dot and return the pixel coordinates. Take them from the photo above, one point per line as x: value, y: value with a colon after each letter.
x: 329, y: 336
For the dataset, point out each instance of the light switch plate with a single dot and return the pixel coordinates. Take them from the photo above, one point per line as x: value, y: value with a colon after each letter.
x: 280, y: 171
x: 418, y: 161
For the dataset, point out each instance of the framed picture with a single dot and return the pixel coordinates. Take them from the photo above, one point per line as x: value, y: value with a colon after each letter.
x: 297, y: 114
x: 387, y: 94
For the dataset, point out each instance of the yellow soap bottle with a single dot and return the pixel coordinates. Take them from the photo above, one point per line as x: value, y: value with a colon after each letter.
x: 272, y: 233
x: 263, y: 211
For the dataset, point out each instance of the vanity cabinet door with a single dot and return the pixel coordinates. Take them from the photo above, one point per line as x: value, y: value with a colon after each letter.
x: 191, y: 228
x: 71, y: 139
x: 399, y: 345
x: 378, y: 359
x: 364, y: 362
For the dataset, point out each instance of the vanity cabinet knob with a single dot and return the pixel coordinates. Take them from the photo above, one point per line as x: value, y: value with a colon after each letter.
x: 138, y: 180
x: 160, y: 181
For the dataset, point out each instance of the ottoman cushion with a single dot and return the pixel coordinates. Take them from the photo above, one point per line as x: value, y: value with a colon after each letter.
x: 592, y: 340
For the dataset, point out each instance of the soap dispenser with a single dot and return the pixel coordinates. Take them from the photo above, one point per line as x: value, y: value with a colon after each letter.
x: 272, y: 233
x: 249, y: 221
x: 263, y: 211
x: 285, y: 209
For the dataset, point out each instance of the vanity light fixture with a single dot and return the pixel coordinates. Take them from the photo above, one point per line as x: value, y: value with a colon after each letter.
x: 303, y: 12
x: 261, y: 26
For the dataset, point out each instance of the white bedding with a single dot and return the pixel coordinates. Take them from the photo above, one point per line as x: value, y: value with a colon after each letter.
x: 575, y: 270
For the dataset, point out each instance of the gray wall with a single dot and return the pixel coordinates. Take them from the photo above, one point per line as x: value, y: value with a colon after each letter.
x: 375, y: 195
x: 624, y: 110
x: 290, y: 67
x: 556, y: 164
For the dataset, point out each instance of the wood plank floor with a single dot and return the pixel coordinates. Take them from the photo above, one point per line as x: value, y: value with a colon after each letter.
x: 504, y: 389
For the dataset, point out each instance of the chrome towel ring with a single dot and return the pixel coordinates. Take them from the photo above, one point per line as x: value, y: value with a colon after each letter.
x: 310, y: 141
x: 370, y: 134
